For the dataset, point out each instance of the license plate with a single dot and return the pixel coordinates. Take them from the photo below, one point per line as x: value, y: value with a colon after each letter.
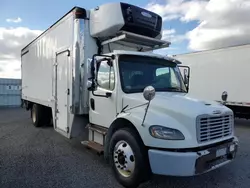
x: 232, y: 148
x: 221, y: 152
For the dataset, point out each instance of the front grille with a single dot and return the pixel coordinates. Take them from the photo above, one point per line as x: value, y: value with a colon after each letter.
x: 214, y: 127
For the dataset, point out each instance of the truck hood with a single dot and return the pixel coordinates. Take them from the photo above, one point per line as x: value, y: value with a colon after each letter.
x: 173, y: 103
x: 173, y: 110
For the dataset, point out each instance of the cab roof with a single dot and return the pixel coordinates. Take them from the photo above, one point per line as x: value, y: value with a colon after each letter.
x: 149, y: 54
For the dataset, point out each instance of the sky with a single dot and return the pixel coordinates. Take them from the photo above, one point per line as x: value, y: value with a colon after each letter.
x: 190, y: 25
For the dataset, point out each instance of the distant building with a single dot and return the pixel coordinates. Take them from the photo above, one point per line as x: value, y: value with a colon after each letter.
x: 10, y: 92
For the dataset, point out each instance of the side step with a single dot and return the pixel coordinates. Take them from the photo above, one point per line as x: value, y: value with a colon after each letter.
x: 97, y: 129
x: 93, y: 145
x: 96, y: 138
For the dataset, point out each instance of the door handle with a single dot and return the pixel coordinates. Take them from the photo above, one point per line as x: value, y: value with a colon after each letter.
x: 92, y: 104
x: 108, y: 94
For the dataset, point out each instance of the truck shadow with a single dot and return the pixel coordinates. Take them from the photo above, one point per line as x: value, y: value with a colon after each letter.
x: 242, y: 123
x: 211, y: 179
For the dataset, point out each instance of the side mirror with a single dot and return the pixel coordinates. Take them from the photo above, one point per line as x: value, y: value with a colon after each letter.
x: 186, y: 76
x: 105, y: 61
x: 149, y: 93
x: 94, y: 67
x: 90, y: 85
x: 224, y: 96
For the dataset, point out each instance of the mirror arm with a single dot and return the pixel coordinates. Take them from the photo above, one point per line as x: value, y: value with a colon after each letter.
x: 125, y: 110
x: 142, y: 124
x: 108, y: 94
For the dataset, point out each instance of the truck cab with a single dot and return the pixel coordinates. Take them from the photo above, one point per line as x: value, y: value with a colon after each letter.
x: 142, y: 99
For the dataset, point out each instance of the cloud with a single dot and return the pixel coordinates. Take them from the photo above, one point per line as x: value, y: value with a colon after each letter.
x: 170, y: 35
x: 167, y: 51
x: 14, y: 20
x: 178, y: 9
x: 220, y: 23
x: 168, y: 32
x: 9, y: 69
x: 12, y: 40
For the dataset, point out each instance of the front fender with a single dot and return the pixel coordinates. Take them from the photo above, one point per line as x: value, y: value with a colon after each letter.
x: 156, y: 118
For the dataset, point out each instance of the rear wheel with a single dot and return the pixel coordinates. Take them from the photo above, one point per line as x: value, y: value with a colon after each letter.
x: 128, y: 158
x: 47, y: 115
x: 36, y: 115
x: 40, y: 115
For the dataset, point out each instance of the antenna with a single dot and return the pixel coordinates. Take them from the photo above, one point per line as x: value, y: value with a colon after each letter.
x: 170, y: 33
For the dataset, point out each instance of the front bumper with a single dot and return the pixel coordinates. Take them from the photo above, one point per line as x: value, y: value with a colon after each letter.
x: 192, y: 163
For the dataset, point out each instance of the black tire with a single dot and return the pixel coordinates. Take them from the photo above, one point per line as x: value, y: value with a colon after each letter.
x: 142, y: 170
x: 47, y: 116
x: 36, y: 115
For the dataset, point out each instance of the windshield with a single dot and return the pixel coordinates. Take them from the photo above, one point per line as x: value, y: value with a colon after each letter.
x: 137, y: 72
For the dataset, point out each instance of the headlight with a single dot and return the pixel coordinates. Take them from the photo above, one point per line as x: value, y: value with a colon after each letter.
x: 161, y: 132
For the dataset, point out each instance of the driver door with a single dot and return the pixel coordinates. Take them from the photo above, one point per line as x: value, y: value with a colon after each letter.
x: 102, y: 104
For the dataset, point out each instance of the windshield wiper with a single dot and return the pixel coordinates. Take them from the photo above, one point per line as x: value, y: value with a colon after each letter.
x: 175, y: 89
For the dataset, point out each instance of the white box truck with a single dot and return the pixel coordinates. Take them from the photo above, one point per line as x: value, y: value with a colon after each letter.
x: 221, y: 75
x: 94, y: 72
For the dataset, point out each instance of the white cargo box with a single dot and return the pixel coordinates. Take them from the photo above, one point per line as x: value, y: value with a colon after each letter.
x: 53, y: 63
x: 216, y: 71
x: 53, y: 67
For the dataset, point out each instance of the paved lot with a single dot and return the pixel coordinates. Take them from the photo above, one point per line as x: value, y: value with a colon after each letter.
x: 31, y: 157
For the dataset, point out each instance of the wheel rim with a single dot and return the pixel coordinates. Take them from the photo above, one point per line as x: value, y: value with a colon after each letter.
x: 33, y: 115
x: 124, y: 158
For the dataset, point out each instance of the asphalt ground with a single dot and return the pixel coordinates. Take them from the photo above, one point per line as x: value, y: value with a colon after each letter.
x: 40, y: 157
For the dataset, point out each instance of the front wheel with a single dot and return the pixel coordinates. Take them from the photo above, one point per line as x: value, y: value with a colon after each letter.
x: 128, y: 158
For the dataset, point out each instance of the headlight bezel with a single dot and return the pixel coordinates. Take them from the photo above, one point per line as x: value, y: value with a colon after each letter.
x: 154, y: 131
